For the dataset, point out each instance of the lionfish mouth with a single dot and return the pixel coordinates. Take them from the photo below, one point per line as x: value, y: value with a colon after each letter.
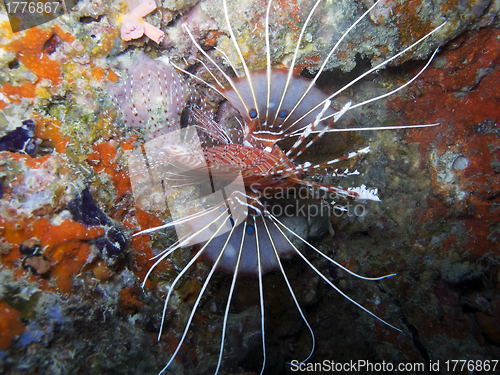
x: 233, y: 227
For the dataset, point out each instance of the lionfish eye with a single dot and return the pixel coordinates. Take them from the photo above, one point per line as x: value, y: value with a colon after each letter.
x: 212, y: 227
x: 283, y: 113
x: 252, y: 113
x: 250, y: 229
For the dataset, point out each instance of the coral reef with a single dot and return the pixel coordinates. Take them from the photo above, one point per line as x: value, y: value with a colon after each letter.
x: 392, y: 25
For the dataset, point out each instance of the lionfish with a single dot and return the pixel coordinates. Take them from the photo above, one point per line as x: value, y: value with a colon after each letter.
x: 233, y: 228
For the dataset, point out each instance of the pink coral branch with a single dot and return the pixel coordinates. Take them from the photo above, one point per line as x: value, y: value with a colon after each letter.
x: 153, y: 32
x: 131, y: 29
x: 143, y: 9
x: 134, y: 27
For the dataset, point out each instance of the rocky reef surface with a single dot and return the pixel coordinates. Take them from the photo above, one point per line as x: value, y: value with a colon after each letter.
x: 71, y: 272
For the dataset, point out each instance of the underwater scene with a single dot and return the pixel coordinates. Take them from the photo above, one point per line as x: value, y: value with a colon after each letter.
x: 249, y: 187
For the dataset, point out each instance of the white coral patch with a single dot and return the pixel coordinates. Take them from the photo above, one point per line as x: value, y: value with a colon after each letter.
x: 366, y: 193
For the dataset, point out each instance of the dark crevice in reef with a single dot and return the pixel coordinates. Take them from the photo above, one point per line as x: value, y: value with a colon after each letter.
x: 50, y: 46
x: 14, y: 64
x: 336, y: 78
x: 90, y: 19
x: 418, y: 344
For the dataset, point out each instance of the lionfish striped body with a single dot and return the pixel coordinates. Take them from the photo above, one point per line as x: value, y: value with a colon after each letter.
x: 237, y: 233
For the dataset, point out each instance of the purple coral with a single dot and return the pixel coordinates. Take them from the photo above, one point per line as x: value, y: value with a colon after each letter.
x: 21, y: 139
x: 152, y: 97
x: 84, y: 210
